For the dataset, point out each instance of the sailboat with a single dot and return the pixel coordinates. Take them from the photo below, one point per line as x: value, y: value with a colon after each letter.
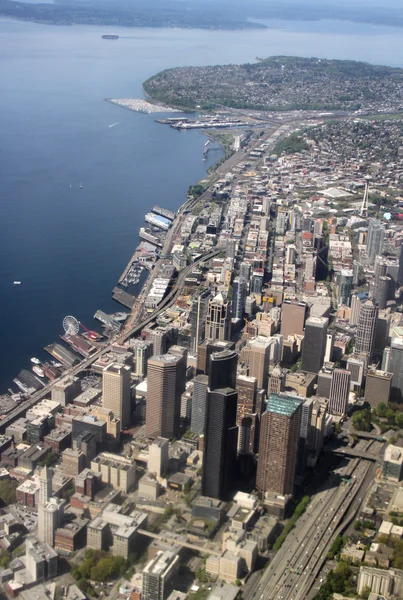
x: 81, y: 185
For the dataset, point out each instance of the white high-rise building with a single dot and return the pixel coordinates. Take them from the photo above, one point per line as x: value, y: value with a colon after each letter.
x: 45, y: 484
x: 50, y: 517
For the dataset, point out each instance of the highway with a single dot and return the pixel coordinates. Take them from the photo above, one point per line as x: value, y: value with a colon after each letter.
x: 120, y: 338
x: 293, y: 570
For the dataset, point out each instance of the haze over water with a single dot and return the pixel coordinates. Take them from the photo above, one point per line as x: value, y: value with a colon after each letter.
x: 69, y: 246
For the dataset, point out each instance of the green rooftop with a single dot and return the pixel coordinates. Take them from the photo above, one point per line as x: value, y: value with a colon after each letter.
x: 282, y: 404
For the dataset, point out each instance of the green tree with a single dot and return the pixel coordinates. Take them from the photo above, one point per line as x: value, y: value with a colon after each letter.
x: 399, y: 420
x: 381, y: 409
x: 7, y: 491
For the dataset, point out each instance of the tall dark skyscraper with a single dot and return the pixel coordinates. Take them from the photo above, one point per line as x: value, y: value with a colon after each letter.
x: 364, y: 339
x: 222, y: 369
x: 220, y: 431
x: 313, y: 350
x: 396, y: 367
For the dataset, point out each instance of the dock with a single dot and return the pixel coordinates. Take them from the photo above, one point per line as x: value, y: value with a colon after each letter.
x: 164, y: 212
x: 123, y: 297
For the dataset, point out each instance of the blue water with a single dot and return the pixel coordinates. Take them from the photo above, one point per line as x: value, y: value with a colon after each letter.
x: 69, y: 246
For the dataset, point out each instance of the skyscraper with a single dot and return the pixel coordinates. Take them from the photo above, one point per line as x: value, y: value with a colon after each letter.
x: 198, y: 318
x: 345, y: 284
x: 166, y: 382
x: 222, y: 369
x: 199, y: 402
x: 279, y: 439
x: 259, y: 359
x: 45, y: 484
x: 239, y: 293
x: 382, y: 290
x: 314, y: 346
x: 339, y: 392
x: 400, y: 272
x: 157, y: 577
x: 293, y: 315
x: 50, y: 517
x: 377, y: 387
x: 221, y: 431
x: 396, y: 367
x: 218, y: 325
x: 375, y: 238
x: 116, y: 395
x: 364, y: 339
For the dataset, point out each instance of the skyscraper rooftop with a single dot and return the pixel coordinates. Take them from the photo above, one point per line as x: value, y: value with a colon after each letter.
x: 283, y: 404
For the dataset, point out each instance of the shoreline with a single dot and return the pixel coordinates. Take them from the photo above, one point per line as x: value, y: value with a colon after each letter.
x: 136, y: 308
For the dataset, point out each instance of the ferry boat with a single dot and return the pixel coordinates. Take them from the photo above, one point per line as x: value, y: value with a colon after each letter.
x: 36, y: 361
x: 110, y: 36
x: 38, y: 371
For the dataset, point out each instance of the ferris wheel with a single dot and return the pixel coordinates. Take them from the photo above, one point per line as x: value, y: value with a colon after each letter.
x: 70, y: 325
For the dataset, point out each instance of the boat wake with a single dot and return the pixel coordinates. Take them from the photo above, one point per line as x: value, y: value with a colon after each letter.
x: 113, y: 124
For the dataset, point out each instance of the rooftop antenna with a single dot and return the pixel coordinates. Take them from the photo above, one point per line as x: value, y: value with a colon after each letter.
x: 364, y: 205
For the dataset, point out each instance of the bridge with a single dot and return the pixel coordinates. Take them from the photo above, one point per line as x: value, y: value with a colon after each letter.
x: 353, y: 453
x: 173, y: 541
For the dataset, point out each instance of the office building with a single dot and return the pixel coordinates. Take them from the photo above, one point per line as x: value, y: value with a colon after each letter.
x: 378, y: 386
x: 143, y: 350
x: 45, y: 484
x: 117, y: 471
x: 220, y: 443
x: 245, y: 270
x: 73, y: 462
x: 279, y: 439
x: 293, y: 315
x: 66, y: 390
x: 375, y: 238
x: 382, y: 291
x: 239, y: 293
x: 218, y: 324
x: 206, y: 349
x: 198, y: 318
x: 314, y: 347
x: 158, y: 456
x: 222, y: 369
x: 357, y: 367
x: 166, y: 382
x: 329, y: 347
x: 40, y: 559
x: 396, y: 367
x: 259, y: 360
x: 345, y: 284
x: 392, y: 468
x: 339, y: 392
x: 400, y: 271
x: 199, y: 402
x: 276, y: 381
x: 221, y: 431
x: 50, y: 517
x: 385, y: 359
x: 357, y: 301
x: 116, y: 395
x: 157, y: 576
x: 364, y: 339
x: 246, y: 388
